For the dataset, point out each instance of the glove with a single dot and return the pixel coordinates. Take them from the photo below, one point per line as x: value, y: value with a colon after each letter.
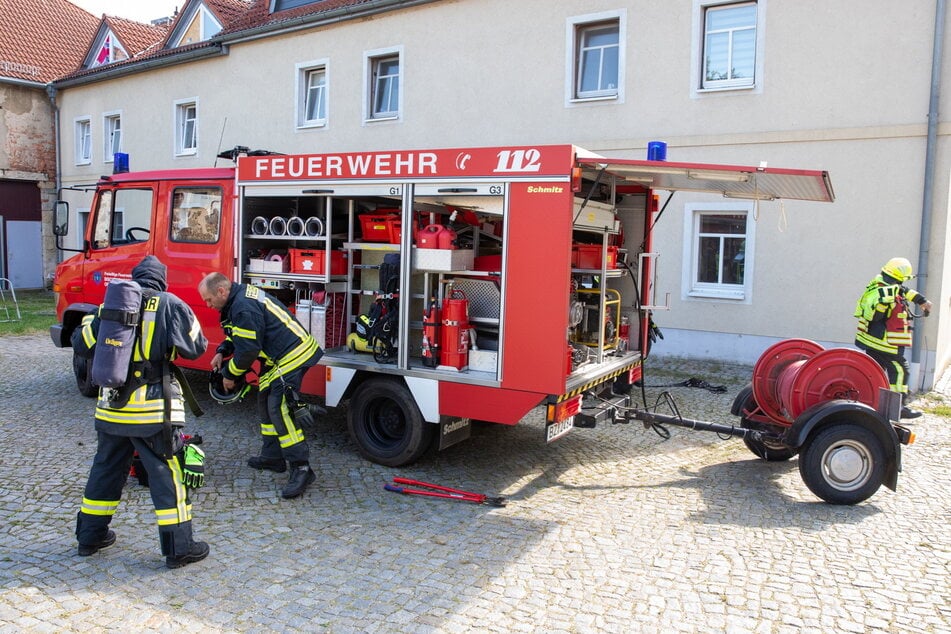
x: 193, y: 467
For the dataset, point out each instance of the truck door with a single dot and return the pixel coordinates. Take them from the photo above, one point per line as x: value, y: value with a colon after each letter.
x: 119, y: 236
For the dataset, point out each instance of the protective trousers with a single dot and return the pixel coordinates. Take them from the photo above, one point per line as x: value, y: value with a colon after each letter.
x: 281, y: 438
x: 896, y: 368
x: 110, y: 469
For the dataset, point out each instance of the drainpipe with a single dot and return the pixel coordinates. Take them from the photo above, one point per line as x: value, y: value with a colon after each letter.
x: 927, y: 201
x: 58, y: 181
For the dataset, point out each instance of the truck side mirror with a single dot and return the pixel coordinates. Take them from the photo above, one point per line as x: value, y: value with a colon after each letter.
x: 60, y: 218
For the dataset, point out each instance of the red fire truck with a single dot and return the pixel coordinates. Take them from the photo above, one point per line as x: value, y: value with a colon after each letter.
x: 445, y: 285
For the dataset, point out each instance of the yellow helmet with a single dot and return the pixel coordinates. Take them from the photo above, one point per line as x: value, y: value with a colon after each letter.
x: 898, y: 268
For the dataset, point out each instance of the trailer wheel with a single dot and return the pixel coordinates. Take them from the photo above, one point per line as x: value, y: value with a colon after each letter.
x: 386, y: 424
x: 81, y: 370
x: 768, y: 451
x: 843, y: 463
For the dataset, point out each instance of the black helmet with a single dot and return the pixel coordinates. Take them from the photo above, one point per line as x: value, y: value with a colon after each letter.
x: 216, y: 388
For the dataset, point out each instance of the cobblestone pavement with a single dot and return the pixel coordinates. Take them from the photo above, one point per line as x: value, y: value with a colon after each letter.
x: 607, y: 530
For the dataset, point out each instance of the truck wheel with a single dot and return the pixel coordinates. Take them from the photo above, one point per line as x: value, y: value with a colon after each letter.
x: 843, y: 463
x: 81, y: 370
x: 768, y: 451
x: 386, y: 424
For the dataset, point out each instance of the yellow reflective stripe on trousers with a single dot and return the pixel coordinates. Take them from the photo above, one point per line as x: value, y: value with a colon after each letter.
x: 290, y: 361
x: 99, y: 507
x: 875, y: 344
x: 294, y: 434
x: 182, y: 512
x: 267, y: 429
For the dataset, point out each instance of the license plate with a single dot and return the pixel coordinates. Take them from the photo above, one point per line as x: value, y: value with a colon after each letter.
x: 554, y: 431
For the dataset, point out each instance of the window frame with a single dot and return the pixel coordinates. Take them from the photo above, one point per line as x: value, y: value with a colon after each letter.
x: 191, y: 224
x: 371, y: 63
x: 83, y: 141
x: 303, y: 72
x: 575, y: 29
x: 692, y: 287
x: 181, y: 107
x: 698, y: 83
x: 111, y: 128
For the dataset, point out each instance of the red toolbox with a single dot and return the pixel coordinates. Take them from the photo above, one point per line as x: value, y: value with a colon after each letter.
x: 588, y: 256
x: 377, y: 227
x: 311, y: 261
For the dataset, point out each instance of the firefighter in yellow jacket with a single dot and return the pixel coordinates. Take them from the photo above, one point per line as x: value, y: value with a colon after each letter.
x: 145, y: 416
x: 884, y: 329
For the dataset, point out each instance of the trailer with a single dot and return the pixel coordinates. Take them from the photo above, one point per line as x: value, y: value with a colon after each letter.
x: 445, y: 286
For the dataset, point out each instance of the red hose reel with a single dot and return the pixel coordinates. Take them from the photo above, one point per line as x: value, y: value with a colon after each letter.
x: 793, y: 375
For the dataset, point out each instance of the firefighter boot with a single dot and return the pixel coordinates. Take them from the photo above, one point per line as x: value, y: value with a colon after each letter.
x: 196, y: 552
x: 277, y: 465
x: 86, y: 550
x: 301, y: 476
x: 907, y: 412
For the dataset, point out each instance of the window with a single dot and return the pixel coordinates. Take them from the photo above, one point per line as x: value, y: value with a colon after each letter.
x: 196, y: 214
x: 281, y: 5
x: 385, y: 90
x: 112, y: 127
x: 729, y: 45
x: 83, y: 129
x: 595, y: 63
x: 186, y: 127
x: 311, y: 94
x: 720, y: 250
x: 124, y: 216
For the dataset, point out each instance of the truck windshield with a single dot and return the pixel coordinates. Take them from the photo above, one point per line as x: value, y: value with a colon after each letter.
x: 124, y: 216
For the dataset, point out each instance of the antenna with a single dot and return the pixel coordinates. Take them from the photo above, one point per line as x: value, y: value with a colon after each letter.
x: 220, y: 137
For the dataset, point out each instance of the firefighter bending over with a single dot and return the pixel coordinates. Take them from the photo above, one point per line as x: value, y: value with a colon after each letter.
x: 884, y: 329
x: 145, y: 415
x: 256, y: 325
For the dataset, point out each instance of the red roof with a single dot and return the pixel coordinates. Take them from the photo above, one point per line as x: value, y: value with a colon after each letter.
x: 41, y: 40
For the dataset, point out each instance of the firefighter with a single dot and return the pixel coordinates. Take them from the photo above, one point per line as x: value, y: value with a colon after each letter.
x: 884, y: 329
x: 146, y: 416
x: 256, y: 325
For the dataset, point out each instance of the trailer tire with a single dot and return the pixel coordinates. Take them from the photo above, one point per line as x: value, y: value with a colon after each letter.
x: 843, y: 463
x: 386, y: 424
x: 82, y: 371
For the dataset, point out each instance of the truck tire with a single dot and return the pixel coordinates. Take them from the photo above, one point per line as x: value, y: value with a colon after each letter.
x: 386, y: 424
x: 82, y: 371
x: 843, y: 463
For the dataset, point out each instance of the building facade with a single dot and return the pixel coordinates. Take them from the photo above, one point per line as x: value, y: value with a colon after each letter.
x: 845, y: 87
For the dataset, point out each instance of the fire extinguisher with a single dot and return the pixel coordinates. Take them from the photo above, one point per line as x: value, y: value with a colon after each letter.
x: 455, y: 330
x: 431, y: 335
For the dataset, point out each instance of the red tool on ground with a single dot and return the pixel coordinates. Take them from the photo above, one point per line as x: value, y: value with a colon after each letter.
x: 441, y: 492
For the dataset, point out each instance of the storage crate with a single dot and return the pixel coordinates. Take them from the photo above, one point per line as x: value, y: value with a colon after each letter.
x: 588, y: 256
x: 311, y: 261
x: 376, y: 227
x: 484, y: 360
x: 260, y: 265
x: 443, y: 259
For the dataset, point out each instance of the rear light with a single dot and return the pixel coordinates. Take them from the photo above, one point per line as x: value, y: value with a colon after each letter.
x: 57, y: 288
x: 558, y: 412
x: 576, y: 179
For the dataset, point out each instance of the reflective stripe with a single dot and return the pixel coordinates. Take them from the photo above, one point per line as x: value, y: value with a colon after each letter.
x: 178, y: 515
x: 290, y: 362
x: 294, y: 435
x: 99, y: 507
x: 244, y: 333
x: 267, y: 429
x: 139, y: 410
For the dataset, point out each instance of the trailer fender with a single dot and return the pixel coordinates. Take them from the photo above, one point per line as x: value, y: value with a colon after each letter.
x: 831, y: 412
x: 61, y: 334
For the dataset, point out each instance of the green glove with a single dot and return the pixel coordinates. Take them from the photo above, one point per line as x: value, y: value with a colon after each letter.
x: 193, y: 467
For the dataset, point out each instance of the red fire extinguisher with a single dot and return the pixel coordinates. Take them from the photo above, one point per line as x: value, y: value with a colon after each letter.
x: 455, y: 330
x: 431, y: 343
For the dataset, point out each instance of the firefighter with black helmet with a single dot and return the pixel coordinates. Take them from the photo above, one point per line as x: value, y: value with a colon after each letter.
x: 884, y: 328
x: 145, y: 416
x: 258, y: 326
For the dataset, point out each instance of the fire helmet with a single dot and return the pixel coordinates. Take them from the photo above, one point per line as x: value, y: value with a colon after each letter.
x: 898, y: 268
x: 218, y: 392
